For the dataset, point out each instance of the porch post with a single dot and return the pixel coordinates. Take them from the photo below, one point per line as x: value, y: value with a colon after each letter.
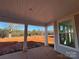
x: 46, y: 36
x: 56, y: 35
x: 25, y: 38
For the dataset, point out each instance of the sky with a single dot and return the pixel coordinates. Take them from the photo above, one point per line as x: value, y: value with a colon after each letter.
x: 4, y: 25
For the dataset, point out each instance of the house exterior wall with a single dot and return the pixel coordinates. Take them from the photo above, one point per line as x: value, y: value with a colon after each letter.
x: 66, y: 50
x: 76, y: 18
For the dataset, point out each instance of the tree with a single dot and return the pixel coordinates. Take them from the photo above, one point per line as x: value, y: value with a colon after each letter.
x: 11, y: 27
x: 3, y: 33
x: 29, y: 33
x: 34, y: 32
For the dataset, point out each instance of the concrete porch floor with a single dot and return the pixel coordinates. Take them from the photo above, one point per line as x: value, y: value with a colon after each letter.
x: 35, y: 53
x: 43, y: 53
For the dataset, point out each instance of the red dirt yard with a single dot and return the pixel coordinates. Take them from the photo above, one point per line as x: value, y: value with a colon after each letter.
x: 30, y: 38
x: 10, y: 45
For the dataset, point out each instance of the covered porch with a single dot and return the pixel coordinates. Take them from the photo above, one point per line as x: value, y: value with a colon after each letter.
x: 63, y: 15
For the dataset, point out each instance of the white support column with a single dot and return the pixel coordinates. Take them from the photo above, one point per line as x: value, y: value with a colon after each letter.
x: 56, y: 35
x: 25, y: 38
x: 46, y: 36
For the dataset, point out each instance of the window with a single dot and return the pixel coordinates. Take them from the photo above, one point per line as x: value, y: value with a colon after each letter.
x: 66, y: 33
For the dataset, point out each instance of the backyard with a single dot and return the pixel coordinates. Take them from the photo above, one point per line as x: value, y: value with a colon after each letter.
x: 12, y: 37
x: 14, y: 44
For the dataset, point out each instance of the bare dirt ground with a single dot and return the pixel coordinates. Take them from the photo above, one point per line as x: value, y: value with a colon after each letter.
x: 4, y: 42
x: 9, y: 45
x: 30, y: 38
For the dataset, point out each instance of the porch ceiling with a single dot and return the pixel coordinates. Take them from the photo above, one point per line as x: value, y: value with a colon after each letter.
x: 37, y: 12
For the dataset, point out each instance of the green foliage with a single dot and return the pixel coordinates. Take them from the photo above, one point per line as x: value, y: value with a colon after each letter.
x: 17, y: 33
x: 3, y: 33
x: 37, y: 32
x: 34, y: 32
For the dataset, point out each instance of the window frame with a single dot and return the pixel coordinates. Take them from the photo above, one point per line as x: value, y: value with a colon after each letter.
x: 75, y: 34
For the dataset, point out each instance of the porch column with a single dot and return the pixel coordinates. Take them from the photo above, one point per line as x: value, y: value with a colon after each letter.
x: 56, y: 35
x: 25, y: 38
x: 46, y: 36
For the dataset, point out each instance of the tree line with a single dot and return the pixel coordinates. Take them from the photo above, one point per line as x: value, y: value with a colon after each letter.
x: 12, y: 31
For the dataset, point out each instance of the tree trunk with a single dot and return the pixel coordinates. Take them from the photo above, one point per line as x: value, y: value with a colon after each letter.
x: 10, y: 35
